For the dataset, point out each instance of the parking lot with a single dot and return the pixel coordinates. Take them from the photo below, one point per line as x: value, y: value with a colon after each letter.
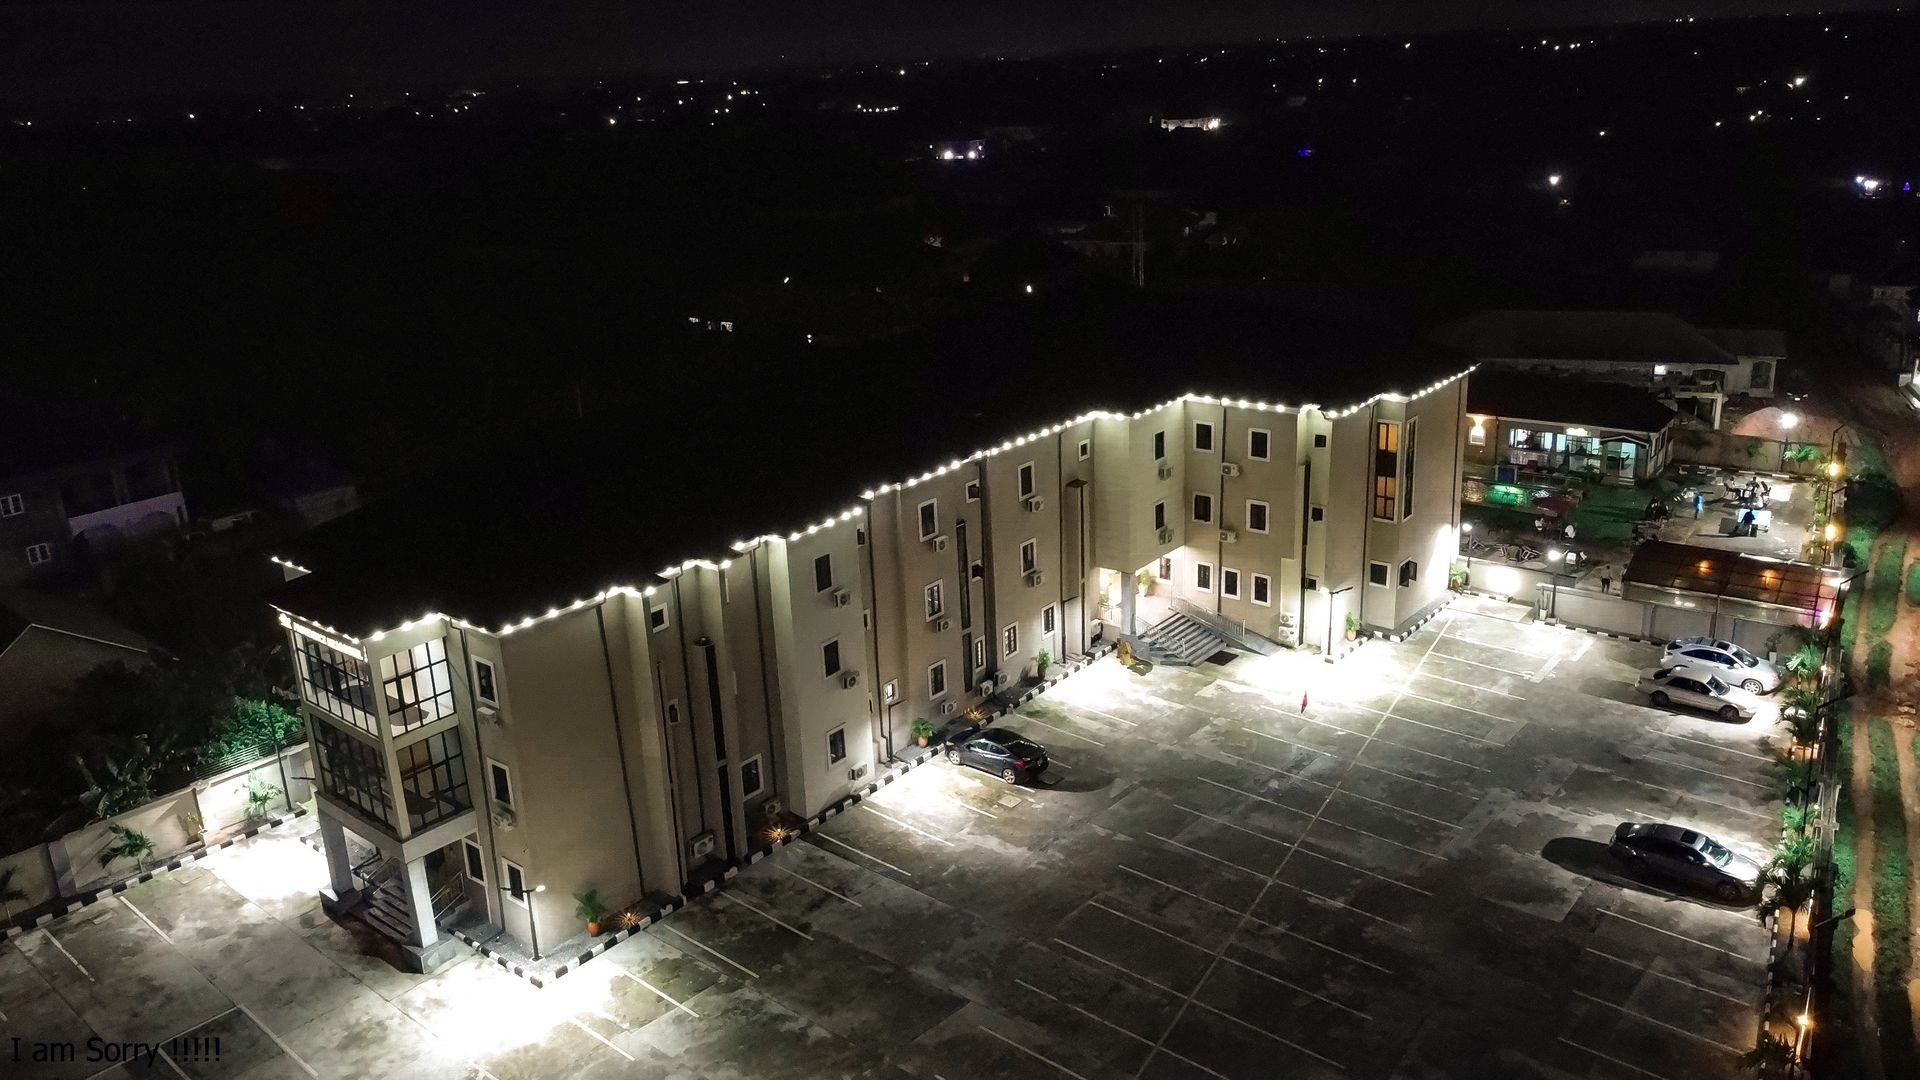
x: 1405, y: 877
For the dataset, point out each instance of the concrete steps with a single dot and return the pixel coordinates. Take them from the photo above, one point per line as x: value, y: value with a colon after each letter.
x: 1181, y: 639
x: 387, y: 910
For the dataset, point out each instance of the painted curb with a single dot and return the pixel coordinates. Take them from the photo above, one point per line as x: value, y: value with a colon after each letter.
x: 1605, y: 633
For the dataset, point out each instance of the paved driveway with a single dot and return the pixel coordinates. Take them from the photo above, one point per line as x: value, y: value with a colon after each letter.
x: 1405, y: 878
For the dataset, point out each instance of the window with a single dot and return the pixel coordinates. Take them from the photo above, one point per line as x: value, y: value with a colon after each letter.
x: 1409, y: 573
x: 823, y: 573
x: 836, y: 746
x: 656, y: 617
x: 336, y: 682
x: 433, y: 778
x: 417, y: 685
x: 486, y: 686
x: 1086, y: 449
x: 1659, y: 370
x: 1229, y: 583
x: 1203, y: 576
x: 937, y: 679
x: 1026, y: 480
x: 936, y: 599
x: 1202, y: 507
x: 1160, y: 515
x: 1203, y: 436
x: 1311, y: 584
x: 1406, y: 486
x: 1010, y: 639
x: 1166, y: 568
x: 929, y: 519
x: 1262, y: 590
x: 750, y: 782
x: 516, y: 880
x: 1477, y: 434
x: 830, y: 658
x: 39, y: 554
x: 973, y: 491
x: 1319, y: 442
x: 476, y: 862
x: 1046, y: 620
x: 1377, y: 573
x: 1259, y: 444
x: 1256, y: 516
x: 673, y: 713
x: 1029, y: 557
x: 1317, y: 513
x: 15, y: 505
x: 353, y: 773
x: 500, y: 783
x: 1159, y: 445
x: 859, y: 538
x: 891, y: 691
x: 978, y: 648
x: 1386, y: 470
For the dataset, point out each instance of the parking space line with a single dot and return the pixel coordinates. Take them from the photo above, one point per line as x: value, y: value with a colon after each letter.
x: 863, y: 854
x: 1528, y: 675
x: 1289, y: 742
x: 279, y: 1042
x: 1462, y: 708
x: 817, y: 885
x: 965, y: 805
x: 1256, y: 764
x: 1204, y: 855
x: 657, y: 992
x: 1324, y: 820
x: 596, y: 1036
x: 715, y: 953
x: 1222, y: 821
x: 1125, y: 971
x: 1342, y: 904
x: 910, y: 828
x: 1148, y: 925
x: 1295, y: 987
x: 171, y: 1064
x: 1083, y: 1012
x: 1317, y: 723
x: 1416, y: 780
x: 63, y: 952
x: 1714, y: 746
x: 1270, y: 1035
x: 1251, y: 795
x: 1734, y: 1050
x: 1502, y: 648
x: 1030, y: 1053
x: 1670, y: 978
x: 1031, y: 720
x: 1097, y: 712
x: 1363, y: 870
x: 1615, y: 1060
x: 1710, y: 772
x: 1448, y: 730
x: 1348, y: 792
x: 143, y: 918
x: 1696, y: 798
x: 732, y: 898
x: 1428, y: 753
x: 1468, y: 685
x: 1682, y: 937
x: 1256, y: 919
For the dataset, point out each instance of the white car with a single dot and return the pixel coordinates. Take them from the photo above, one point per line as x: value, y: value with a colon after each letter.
x: 1730, y: 662
x: 1666, y: 686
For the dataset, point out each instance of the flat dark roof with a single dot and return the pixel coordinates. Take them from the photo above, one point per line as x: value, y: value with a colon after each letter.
x: 1730, y: 575
x: 1555, y: 399
x: 542, y: 517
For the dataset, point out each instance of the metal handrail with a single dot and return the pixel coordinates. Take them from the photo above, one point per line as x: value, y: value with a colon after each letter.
x: 445, y: 897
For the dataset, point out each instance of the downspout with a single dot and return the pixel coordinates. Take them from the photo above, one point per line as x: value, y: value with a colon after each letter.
x: 776, y: 757
x: 479, y: 746
x: 1306, y: 548
x: 1220, y: 517
x: 619, y: 741
x: 1060, y: 531
x: 686, y: 672
x: 873, y: 632
x: 1366, y: 510
x: 673, y: 783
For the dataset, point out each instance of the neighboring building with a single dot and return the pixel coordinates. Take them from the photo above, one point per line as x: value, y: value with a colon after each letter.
x: 1196, y: 123
x: 1616, y: 433
x: 609, y: 658
x: 60, y: 504
x: 1634, y: 347
x: 47, y: 645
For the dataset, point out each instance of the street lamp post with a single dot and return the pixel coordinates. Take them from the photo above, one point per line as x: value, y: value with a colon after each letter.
x: 1553, y: 567
x: 533, y: 924
x: 1466, y: 532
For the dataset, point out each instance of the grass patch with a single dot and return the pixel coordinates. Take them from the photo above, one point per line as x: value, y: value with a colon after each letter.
x: 1913, y: 583
x: 1845, y: 873
x: 1607, y: 513
x: 1892, y: 906
x: 1879, y: 665
x: 1882, y: 608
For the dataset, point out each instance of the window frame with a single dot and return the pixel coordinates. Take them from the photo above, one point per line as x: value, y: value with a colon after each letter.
x: 759, y: 775
x: 474, y: 857
x: 13, y: 504
x: 1160, y: 445
x: 841, y: 733
x: 921, y: 519
x: 1316, y: 514
x: 1085, y: 449
x: 479, y: 683
x: 39, y: 554
x: 1159, y: 515
x: 1385, y: 486
x: 971, y: 491
x: 1225, y: 593
x: 1409, y: 573
x: 1202, y: 569
x: 1265, y: 433
x: 941, y: 667
x: 1408, y: 462
x: 665, y: 620
x: 823, y: 561
x: 1266, y: 516
x: 1029, y: 555
x: 838, y: 667
x: 1261, y: 583
x: 933, y: 597
x: 978, y: 649
x: 1049, y: 620
x: 1213, y: 442
x: 509, y: 870
x: 1009, y: 640
x: 1195, y: 507
x: 493, y: 787
x: 1386, y: 575
x: 1026, y: 480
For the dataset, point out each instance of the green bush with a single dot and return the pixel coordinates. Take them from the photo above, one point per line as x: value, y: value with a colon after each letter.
x: 1884, y: 587
x: 1892, y: 906
x: 1913, y: 583
x: 1879, y: 665
x: 1844, y: 869
x: 252, y: 722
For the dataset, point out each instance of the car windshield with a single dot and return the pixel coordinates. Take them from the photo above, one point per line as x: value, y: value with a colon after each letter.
x: 1717, y: 686
x: 1720, y: 855
x: 1746, y: 658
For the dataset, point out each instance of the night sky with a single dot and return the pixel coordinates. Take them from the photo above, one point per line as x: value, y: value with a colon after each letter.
x: 71, y: 55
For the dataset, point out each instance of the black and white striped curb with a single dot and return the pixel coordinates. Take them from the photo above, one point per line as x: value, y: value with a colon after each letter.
x: 24, y: 923
x: 607, y: 941
x: 1605, y: 633
x: 1417, y: 623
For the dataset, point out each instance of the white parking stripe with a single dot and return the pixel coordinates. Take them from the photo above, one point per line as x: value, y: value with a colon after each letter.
x: 1363, y: 870
x: 1096, y: 958
x: 1325, y: 820
x: 1709, y: 772
x: 1251, y: 795
x: 1097, y: 712
x: 1502, y: 648
x: 1074, y: 734
x: 1289, y: 742
x: 1615, y: 1060
x: 1659, y: 1023
x: 1350, y: 793
x: 1295, y: 987
x: 1462, y: 708
x: 1320, y: 723
x: 1695, y: 798
x: 1468, y: 685
x: 278, y: 1041
x: 1340, y: 904
x: 1259, y: 921
x: 1417, y: 780
x: 1242, y: 828
x: 1428, y: 753
x: 733, y: 898
x: 659, y: 993
x: 1108, y: 1023
x: 863, y: 854
x: 1447, y: 730
x: 1204, y: 855
x: 1142, y: 923
x: 817, y: 885
x: 63, y: 952
x: 1682, y: 937
x: 1642, y: 968
x: 1031, y: 1053
x: 596, y: 1036
x: 965, y: 805
x: 713, y: 952
x: 171, y: 1064
x: 1505, y: 671
x: 1270, y: 1035
x: 910, y: 828
x: 143, y: 918
x: 1714, y: 746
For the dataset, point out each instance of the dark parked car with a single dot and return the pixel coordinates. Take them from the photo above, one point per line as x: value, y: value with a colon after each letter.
x: 1687, y: 858
x: 1006, y: 754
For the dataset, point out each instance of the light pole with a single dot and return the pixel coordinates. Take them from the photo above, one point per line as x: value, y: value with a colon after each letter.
x: 1466, y: 533
x: 533, y: 924
x: 1553, y: 567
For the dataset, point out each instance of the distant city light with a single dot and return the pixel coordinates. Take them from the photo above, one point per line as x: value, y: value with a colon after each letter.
x: 1553, y: 179
x: 1799, y: 80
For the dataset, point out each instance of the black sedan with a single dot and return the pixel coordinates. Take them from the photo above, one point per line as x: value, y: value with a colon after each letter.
x: 1686, y: 858
x: 1006, y: 754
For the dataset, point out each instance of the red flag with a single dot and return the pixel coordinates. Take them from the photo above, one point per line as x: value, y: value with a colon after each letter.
x: 1303, y: 701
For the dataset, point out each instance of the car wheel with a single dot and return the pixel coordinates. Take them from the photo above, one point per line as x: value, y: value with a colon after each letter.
x: 953, y: 756
x: 1009, y: 776
x: 1659, y: 699
x: 1753, y: 686
x: 1729, y: 713
x: 1729, y: 892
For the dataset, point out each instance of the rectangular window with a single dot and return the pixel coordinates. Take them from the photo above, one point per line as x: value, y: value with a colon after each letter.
x: 353, y: 773
x: 1029, y: 557
x: 978, y: 647
x: 836, y: 746
x: 1203, y: 576
x: 1319, y: 442
x: 1377, y: 573
x: 823, y: 573
x: 14, y: 505
x: 1229, y: 583
x: 39, y: 554
x: 1259, y: 444
x: 1166, y: 568
x: 476, y: 862
x: 657, y: 617
x: 500, y: 783
x: 516, y: 880
x: 417, y: 685
x: 1160, y: 515
x: 1202, y: 507
x: 1477, y: 435
x: 937, y: 679
x: 859, y: 537
x: 1010, y: 639
x: 1026, y: 480
x: 1256, y: 516
x: 750, y: 781
x: 830, y: 658
x: 1317, y: 513
x: 891, y: 691
x: 1086, y: 449
x: 1046, y: 620
x: 1159, y: 445
x: 929, y: 519
x: 337, y: 683
x: 1386, y: 470
x: 433, y: 778
x: 1203, y: 436
x: 673, y: 713
x: 1311, y: 584
x: 486, y: 685
x: 1262, y: 590
x: 973, y: 491
x: 935, y: 594
x: 1409, y: 573
x: 1406, y: 485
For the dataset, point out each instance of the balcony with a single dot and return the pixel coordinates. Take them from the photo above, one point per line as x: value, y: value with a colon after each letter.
x: 132, y: 519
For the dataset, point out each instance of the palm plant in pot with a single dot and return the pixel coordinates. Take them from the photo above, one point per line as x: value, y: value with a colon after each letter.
x: 588, y: 908
x: 1353, y: 626
x: 923, y: 731
x: 1042, y: 660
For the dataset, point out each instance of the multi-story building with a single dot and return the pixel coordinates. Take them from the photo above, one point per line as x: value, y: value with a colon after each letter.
x: 58, y: 503
x: 534, y: 676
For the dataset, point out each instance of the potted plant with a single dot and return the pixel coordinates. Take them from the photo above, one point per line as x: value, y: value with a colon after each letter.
x: 1353, y: 626
x: 588, y: 908
x: 1146, y: 581
x: 1042, y: 660
x: 923, y: 731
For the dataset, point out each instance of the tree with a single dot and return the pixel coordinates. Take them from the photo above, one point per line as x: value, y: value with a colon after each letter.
x: 127, y: 844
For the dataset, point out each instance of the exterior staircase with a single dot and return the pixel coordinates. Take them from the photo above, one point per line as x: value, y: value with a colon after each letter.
x: 387, y: 909
x: 1180, y: 639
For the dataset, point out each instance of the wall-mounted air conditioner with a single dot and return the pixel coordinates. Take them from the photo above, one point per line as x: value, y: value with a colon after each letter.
x: 1166, y: 471
x: 489, y: 715
x: 849, y: 680
x: 939, y: 543
x: 1166, y: 534
x: 947, y: 708
x: 941, y: 626
x: 856, y: 772
x: 1035, y: 577
x: 1229, y: 536
x: 841, y: 598
x: 1035, y: 502
x: 700, y: 846
x: 1229, y: 468
x: 503, y: 817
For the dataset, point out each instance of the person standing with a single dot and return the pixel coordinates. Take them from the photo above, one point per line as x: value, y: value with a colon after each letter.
x: 1699, y: 504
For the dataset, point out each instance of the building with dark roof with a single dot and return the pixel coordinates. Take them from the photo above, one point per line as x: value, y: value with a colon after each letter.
x: 1535, y: 422
x: 73, y: 490
x: 47, y: 644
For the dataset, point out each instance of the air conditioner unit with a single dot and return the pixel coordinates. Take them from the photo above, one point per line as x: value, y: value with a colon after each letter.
x: 849, y: 680
x: 1035, y: 502
x: 1035, y: 577
x: 856, y: 772
x: 1166, y: 471
x: 1166, y: 534
x: 1006, y: 679
x: 700, y: 846
x: 986, y: 686
x: 941, y: 626
x: 488, y: 714
x: 1229, y: 536
x: 771, y: 808
x: 1229, y: 468
x: 939, y: 543
x: 841, y: 598
x: 947, y: 708
x: 503, y: 817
